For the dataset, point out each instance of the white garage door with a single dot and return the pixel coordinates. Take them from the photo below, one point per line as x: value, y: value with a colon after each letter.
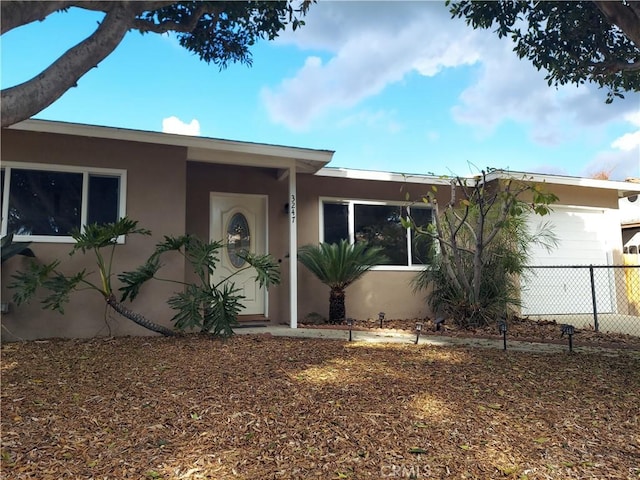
x: 585, y: 237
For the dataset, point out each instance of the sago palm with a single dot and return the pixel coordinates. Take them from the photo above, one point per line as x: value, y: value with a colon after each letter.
x: 338, y: 265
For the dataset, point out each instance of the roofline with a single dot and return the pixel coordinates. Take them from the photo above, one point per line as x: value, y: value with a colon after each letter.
x: 625, y: 189
x: 355, y: 174
x: 306, y: 160
x: 309, y: 159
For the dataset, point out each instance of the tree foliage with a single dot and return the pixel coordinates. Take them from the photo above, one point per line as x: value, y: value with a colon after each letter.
x: 211, y: 307
x: 574, y: 42
x: 482, y: 243
x: 338, y: 265
x: 219, y: 32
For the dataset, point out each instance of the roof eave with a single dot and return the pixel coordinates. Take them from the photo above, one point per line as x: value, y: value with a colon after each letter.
x: 198, y: 148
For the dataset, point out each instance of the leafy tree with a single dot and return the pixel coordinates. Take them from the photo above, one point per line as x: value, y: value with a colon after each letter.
x: 338, y: 265
x: 213, y: 308
x: 217, y: 31
x: 575, y: 42
x: 482, y: 245
x: 101, y: 240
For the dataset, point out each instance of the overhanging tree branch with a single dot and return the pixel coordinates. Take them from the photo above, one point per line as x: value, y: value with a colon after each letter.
x: 164, y: 27
x: 32, y: 96
x: 625, y: 16
x: 16, y: 14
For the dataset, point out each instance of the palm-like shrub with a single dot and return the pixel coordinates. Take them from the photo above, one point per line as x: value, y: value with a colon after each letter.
x: 338, y: 265
x: 210, y: 307
x: 100, y: 241
x: 482, y: 246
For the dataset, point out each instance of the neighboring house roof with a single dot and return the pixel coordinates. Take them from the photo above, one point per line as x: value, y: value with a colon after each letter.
x: 202, y: 149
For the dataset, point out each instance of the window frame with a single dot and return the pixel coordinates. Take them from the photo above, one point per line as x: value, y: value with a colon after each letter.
x: 351, y: 203
x: 84, y: 206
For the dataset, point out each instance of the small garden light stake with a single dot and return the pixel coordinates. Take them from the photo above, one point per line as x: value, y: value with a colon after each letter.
x: 381, y: 318
x: 569, y: 330
x: 502, y: 328
x: 418, y: 330
x: 350, y: 325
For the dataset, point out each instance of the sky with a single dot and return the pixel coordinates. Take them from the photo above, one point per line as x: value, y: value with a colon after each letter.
x: 389, y: 86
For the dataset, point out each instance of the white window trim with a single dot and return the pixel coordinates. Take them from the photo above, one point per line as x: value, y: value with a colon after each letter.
x: 85, y: 171
x: 350, y: 202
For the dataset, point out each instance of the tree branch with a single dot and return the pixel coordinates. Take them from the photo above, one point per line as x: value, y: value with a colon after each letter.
x: 163, y: 27
x: 625, y: 17
x: 25, y: 100
x: 16, y: 14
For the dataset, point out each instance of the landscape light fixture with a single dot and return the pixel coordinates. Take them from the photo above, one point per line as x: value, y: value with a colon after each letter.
x: 381, y: 318
x: 569, y: 330
x: 418, y: 330
x: 439, y: 322
x: 502, y: 328
x: 350, y: 325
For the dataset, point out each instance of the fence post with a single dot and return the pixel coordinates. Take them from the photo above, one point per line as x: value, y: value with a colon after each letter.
x: 593, y: 298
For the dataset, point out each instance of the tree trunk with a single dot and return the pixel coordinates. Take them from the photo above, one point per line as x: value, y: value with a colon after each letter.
x: 25, y: 100
x: 139, y: 319
x: 336, y: 306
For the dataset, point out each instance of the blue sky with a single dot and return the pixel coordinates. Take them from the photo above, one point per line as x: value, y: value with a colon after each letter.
x: 389, y: 86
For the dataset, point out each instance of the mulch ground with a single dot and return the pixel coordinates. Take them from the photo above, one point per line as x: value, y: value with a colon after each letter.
x: 261, y: 407
x: 522, y: 329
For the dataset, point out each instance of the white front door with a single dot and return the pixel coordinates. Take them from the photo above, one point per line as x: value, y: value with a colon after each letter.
x: 239, y: 221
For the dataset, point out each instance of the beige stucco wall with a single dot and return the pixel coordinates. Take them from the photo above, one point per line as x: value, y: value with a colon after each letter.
x: 170, y: 195
x: 377, y: 291
x: 156, y: 181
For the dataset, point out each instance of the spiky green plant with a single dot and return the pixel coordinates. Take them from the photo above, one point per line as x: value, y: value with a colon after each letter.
x: 338, y: 265
x: 100, y: 241
x: 211, y: 307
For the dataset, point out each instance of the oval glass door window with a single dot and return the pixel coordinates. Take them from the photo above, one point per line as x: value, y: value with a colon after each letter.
x: 238, y: 239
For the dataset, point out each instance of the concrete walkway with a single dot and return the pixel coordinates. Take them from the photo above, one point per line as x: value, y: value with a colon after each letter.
x: 410, y: 338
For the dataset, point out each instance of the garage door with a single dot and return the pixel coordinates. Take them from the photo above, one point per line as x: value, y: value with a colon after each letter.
x: 585, y: 237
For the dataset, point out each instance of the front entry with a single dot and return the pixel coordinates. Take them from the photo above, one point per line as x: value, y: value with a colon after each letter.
x: 240, y: 222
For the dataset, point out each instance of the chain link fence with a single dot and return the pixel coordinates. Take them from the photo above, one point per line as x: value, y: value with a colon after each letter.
x: 605, y: 298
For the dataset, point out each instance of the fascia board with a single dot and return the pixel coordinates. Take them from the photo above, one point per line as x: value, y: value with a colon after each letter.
x: 306, y: 159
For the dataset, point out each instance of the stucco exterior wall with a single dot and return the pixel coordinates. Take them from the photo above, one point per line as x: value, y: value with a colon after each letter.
x: 156, y: 182
x: 378, y: 290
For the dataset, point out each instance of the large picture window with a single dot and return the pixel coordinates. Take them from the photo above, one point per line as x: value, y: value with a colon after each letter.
x: 379, y: 224
x: 46, y: 202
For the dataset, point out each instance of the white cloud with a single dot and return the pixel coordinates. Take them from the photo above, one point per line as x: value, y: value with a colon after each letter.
x: 371, y: 45
x: 623, y: 160
x: 175, y: 125
x: 627, y: 142
x: 630, y: 141
x: 361, y: 48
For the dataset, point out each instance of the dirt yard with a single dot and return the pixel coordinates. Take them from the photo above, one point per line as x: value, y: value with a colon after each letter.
x: 260, y: 407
